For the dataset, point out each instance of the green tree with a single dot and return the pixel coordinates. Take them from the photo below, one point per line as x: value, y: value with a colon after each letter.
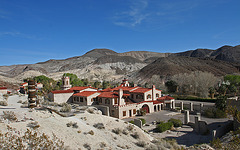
x: 105, y: 84
x: 212, y: 92
x: 221, y: 103
x: 97, y: 84
x: 172, y: 86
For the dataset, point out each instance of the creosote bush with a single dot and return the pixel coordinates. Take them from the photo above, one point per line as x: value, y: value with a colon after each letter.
x: 10, y: 115
x: 130, y: 127
x: 163, y: 126
x: 87, y: 146
x: 103, y: 144
x: 66, y: 108
x: 3, y: 103
x: 14, y: 139
x: 33, y: 125
x: 91, y: 132
x: 141, y: 143
x: 99, y: 126
x: 175, y: 122
x: 135, y: 135
x: 117, y: 131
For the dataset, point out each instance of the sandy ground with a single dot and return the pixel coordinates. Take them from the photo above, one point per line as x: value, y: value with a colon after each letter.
x: 53, y: 123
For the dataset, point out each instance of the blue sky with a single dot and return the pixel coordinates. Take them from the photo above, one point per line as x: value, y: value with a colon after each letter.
x: 33, y: 31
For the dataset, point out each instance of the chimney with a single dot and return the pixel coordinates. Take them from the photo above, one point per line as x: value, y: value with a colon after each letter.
x: 120, y: 99
x: 153, y: 92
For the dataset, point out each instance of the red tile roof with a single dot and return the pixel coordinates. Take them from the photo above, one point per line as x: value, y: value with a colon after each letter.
x: 124, y: 88
x: 108, y: 94
x: 141, y: 90
x: 3, y: 88
x: 165, y: 98
x: 62, y: 91
x: 86, y: 93
x: 157, y: 102
x: 79, y: 88
x: 107, y: 90
x: 24, y: 83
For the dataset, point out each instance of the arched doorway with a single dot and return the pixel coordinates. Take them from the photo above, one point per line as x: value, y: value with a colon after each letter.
x: 155, y: 108
x: 158, y: 107
x: 146, y: 108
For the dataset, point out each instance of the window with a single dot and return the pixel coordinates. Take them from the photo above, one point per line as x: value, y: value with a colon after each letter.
x: 124, y: 113
x: 78, y: 99
x: 115, y: 101
x: 157, y: 95
x: 74, y: 99
x: 148, y: 96
x: 134, y: 111
x: 92, y: 100
x: 81, y: 99
x: 100, y: 100
x: 112, y: 112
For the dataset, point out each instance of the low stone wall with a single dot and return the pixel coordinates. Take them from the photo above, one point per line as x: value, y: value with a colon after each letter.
x: 103, y: 109
x: 199, y: 107
x: 219, y: 132
x: 236, y: 124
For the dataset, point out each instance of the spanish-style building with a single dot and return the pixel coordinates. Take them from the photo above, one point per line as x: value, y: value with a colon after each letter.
x: 3, y: 90
x: 122, y: 102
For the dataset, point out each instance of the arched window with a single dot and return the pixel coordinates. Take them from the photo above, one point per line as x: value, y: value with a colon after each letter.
x: 149, y: 96
x: 157, y: 95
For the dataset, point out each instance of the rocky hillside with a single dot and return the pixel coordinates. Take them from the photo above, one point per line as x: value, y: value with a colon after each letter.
x: 224, y: 53
x: 170, y: 66
x: 105, y: 64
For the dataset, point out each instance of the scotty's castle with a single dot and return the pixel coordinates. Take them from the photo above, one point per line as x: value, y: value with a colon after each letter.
x: 122, y: 102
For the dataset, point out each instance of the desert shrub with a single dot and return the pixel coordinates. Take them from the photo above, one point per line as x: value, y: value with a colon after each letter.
x: 131, y: 121
x: 74, y: 125
x: 91, y: 132
x: 25, y: 102
x: 163, y: 126
x: 216, y: 143
x: 99, y: 126
x: 143, y: 121
x: 79, y: 131
x: 141, y: 112
x: 69, y: 124
x: 141, y: 143
x: 130, y: 127
x: 24, y: 106
x: 214, y: 113
x: 20, y: 101
x: 66, y: 108
x: 28, y: 140
x: 33, y: 125
x: 175, y: 122
x: 90, y: 110
x: 166, y: 144
x: 3, y: 103
x: 116, y: 130
x: 10, y: 115
x: 103, y: 144
x: 87, y: 146
x: 135, y: 135
x: 125, y: 131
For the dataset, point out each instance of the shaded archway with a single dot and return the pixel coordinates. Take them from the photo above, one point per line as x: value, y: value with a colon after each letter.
x: 155, y: 108
x: 146, y: 108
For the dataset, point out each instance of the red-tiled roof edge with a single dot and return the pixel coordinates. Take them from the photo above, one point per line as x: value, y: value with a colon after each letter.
x: 3, y: 88
x: 86, y: 95
x: 62, y: 91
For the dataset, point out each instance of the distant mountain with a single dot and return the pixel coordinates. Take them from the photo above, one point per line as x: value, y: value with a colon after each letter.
x: 170, y: 66
x: 225, y: 53
x: 106, y: 64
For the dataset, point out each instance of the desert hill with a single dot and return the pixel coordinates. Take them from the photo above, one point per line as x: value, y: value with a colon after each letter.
x: 106, y: 64
x: 170, y: 66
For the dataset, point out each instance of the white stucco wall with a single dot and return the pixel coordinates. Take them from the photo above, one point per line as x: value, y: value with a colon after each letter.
x: 62, y: 97
x: 3, y: 91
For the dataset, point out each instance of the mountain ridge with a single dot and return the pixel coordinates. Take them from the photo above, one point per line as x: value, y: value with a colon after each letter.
x: 99, y: 64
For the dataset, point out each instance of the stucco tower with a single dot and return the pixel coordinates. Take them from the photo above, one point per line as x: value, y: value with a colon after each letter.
x: 125, y: 83
x: 66, y: 83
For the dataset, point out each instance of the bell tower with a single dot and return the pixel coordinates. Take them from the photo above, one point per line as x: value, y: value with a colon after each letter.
x: 66, y: 83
